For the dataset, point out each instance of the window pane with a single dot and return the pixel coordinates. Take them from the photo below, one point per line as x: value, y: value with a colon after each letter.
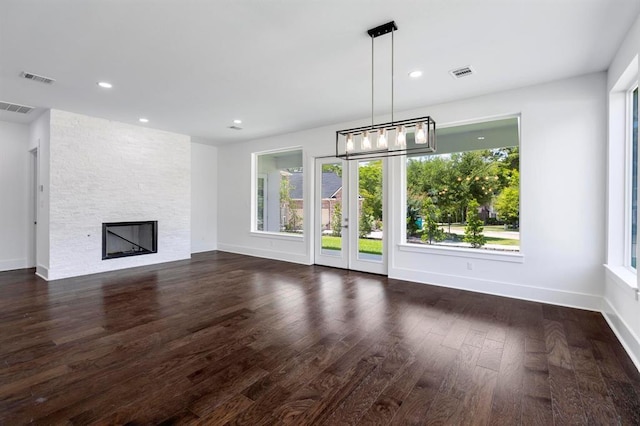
x: 465, y: 199
x: 634, y: 181
x: 370, y: 220
x: 279, y: 192
x: 331, y: 221
x: 261, y: 203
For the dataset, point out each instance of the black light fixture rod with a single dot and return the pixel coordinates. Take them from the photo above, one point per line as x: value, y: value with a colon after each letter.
x: 372, y: 81
x: 392, y: 61
x: 382, y: 29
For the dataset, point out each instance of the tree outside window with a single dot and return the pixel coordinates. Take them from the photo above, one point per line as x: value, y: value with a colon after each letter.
x: 465, y: 199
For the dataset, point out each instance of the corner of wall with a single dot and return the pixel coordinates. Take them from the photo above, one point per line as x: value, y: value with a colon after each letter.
x: 623, y: 331
x: 204, y: 196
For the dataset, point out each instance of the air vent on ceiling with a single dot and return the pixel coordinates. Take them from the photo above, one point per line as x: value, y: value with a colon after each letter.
x: 235, y: 127
x: 21, y: 109
x: 36, y: 77
x: 461, y: 72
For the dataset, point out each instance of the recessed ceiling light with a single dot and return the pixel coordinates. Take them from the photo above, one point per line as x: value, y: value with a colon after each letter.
x: 237, y: 121
x: 105, y: 85
x: 415, y: 74
x: 143, y: 120
x: 480, y: 138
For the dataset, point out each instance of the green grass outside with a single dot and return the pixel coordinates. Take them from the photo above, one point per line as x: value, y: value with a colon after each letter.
x: 493, y: 228
x: 498, y: 228
x: 370, y: 246
x: 375, y: 246
x: 364, y: 245
x: 331, y: 243
x: 502, y: 241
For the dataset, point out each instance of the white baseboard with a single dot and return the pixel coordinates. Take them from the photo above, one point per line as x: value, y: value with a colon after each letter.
x: 12, y: 264
x: 42, y: 272
x: 302, y: 259
x: 203, y: 248
x: 497, y: 288
x: 629, y: 340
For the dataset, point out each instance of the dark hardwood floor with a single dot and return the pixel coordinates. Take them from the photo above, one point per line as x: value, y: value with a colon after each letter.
x: 232, y: 339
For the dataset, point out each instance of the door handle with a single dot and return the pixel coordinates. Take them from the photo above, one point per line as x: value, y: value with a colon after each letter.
x: 345, y: 226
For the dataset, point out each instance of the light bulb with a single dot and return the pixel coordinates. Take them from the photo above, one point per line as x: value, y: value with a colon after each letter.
x: 349, y: 143
x: 382, y: 139
x: 421, y: 136
x: 366, y: 142
x: 401, y: 138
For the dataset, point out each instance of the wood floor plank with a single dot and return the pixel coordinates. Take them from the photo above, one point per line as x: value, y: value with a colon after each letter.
x: 362, y: 398
x: 565, y: 397
x: 625, y: 399
x: 225, y: 412
x: 608, y: 362
x: 536, y: 411
x: 419, y: 400
x: 599, y: 407
x: 557, y: 346
x: 229, y: 339
x: 491, y: 354
x: 383, y: 410
x: 507, y: 400
x: 477, y: 402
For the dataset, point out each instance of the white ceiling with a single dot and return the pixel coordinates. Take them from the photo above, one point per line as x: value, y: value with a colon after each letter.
x: 192, y: 66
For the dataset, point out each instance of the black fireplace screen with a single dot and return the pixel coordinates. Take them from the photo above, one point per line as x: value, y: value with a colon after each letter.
x: 121, y: 239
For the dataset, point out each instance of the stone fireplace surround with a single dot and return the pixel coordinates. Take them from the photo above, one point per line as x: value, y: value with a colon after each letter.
x: 102, y: 171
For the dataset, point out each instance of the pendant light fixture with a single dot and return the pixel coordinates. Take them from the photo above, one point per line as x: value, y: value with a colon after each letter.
x: 402, y: 137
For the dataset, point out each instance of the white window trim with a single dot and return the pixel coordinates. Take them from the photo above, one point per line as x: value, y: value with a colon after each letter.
x: 628, y: 185
x: 618, y: 208
x: 278, y: 235
x: 494, y: 255
x: 254, y: 196
x: 487, y: 254
x: 622, y: 276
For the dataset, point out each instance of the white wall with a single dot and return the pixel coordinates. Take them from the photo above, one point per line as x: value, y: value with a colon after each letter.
x: 14, y: 196
x: 104, y: 171
x: 204, y: 198
x: 621, y: 305
x: 562, y: 193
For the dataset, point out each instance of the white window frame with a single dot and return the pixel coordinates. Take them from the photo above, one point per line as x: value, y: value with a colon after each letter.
x: 495, y: 255
x: 254, y: 196
x: 618, y: 233
x: 628, y: 176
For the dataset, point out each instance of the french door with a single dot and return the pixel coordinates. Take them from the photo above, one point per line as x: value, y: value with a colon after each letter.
x: 349, y: 217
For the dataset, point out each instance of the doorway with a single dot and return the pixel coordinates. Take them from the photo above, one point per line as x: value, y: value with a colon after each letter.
x: 33, y: 206
x: 350, y: 214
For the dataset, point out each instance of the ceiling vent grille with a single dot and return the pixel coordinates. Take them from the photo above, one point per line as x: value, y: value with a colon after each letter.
x: 461, y: 72
x: 235, y: 128
x: 21, y: 109
x: 36, y: 77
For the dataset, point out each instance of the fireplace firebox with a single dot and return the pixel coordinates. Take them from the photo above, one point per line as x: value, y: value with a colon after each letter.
x: 122, y: 239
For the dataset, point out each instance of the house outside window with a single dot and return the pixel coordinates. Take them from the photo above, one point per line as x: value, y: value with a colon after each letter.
x: 279, y: 192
